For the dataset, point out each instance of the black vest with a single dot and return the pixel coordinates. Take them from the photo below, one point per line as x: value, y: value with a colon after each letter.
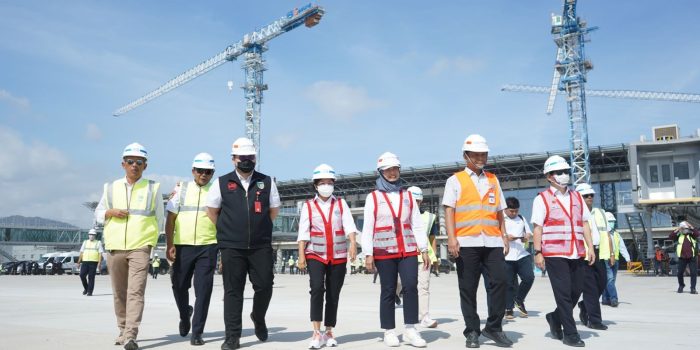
x: 239, y: 226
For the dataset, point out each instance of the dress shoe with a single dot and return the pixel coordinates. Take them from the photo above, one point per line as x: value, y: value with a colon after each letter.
x: 260, y: 328
x: 196, y: 339
x: 680, y: 289
x: 693, y: 291
x: 554, y: 326
x: 84, y: 291
x: 231, y: 344
x: 473, y: 339
x: 89, y: 294
x: 184, y: 327
x: 598, y: 326
x: 497, y: 336
x: 131, y: 345
x: 582, y: 315
x: 573, y: 340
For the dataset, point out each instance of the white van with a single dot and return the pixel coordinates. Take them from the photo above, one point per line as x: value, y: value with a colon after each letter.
x: 69, y: 261
x: 46, y: 262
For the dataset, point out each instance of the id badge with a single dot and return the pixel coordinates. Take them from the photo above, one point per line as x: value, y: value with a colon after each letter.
x: 492, y: 198
x: 258, y: 207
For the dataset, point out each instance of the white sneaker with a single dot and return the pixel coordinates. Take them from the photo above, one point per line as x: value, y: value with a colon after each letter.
x: 428, y: 322
x: 316, y: 341
x: 329, y: 339
x: 411, y: 335
x: 390, y: 339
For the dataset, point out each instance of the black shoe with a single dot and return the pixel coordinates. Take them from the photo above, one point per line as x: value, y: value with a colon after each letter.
x: 521, y: 306
x: 89, y: 294
x: 680, y: 289
x: 473, y: 340
x: 614, y: 303
x: 131, y: 345
x: 497, y: 336
x: 554, y: 326
x: 509, y: 315
x: 693, y: 291
x: 184, y: 327
x: 582, y: 315
x: 84, y: 291
x: 260, y: 328
x: 231, y: 344
x: 606, y: 303
x: 598, y: 326
x: 573, y: 340
x: 196, y: 339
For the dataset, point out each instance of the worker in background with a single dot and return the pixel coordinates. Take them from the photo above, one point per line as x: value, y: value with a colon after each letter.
x: 390, y: 245
x: 326, y: 240
x: 474, y: 205
x: 686, y: 237
x: 290, y: 263
x: 659, y: 261
x: 90, y: 261
x: 191, y: 247
x: 155, y: 266
x: 560, y: 220
x: 431, y: 229
x: 243, y: 204
x: 610, y: 293
x: 518, y: 261
x: 131, y: 209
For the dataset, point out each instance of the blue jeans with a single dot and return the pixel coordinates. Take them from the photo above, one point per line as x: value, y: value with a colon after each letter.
x: 524, y: 269
x: 610, y: 292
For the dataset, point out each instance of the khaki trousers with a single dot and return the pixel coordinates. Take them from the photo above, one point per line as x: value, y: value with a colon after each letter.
x: 128, y: 270
x: 423, y: 292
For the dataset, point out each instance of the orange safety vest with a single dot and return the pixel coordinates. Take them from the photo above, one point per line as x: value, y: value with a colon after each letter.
x: 393, y: 233
x: 561, y: 230
x: 473, y: 214
x: 326, y: 235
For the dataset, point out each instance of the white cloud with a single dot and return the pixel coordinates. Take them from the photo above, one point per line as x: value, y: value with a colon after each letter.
x: 21, y: 103
x: 341, y: 100
x: 459, y: 65
x: 93, y: 132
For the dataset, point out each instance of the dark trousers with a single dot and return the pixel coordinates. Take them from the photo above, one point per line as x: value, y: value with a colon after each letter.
x: 566, y: 278
x: 469, y: 267
x: 595, y: 281
x: 521, y: 268
x: 389, y: 270
x: 237, y: 264
x: 87, y: 275
x: 693, y: 264
x: 200, y: 262
x: 325, y: 279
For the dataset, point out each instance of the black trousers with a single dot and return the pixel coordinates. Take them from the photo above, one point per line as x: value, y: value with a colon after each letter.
x: 200, y: 262
x: 325, y: 279
x: 389, y: 270
x: 595, y: 281
x: 693, y: 264
x: 237, y: 264
x: 469, y: 269
x: 566, y: 278
x: 87, y: 275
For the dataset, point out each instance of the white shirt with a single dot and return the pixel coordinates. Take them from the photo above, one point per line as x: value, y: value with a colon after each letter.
x: 304, y: 224
x: 100, y: 248
x: 595, y: 233
x: 174, y: 202
x: 453, y: 191
x: 101, y: 208
x: 214, y: 196
x: 417, y: 224
x: 517, y: 227
x: 539, y: 211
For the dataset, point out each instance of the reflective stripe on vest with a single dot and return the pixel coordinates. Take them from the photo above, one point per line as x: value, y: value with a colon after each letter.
x: 561, y: 230
x: 473, y: 214
x: 598, y: 219
x: 91, y: 251
x: 393, y: 233
x: 681, y: 239
x: 156, y: 263
x: 326, y: 234
x: 192, y: 225
x: 428, y: 219
x: 140, y: 227
x: 616, y: 244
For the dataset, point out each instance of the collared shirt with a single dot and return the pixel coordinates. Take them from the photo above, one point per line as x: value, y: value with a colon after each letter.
x: 214, y: 195
x: 539, y: 211
x: 101, y: 208
x: 517, y: 227
x: 304, y: 224
x: 453, y: 191
x: 417, y: 224
x: 100, y: 248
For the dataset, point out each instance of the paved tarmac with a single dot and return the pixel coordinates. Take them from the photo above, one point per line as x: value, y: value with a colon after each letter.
x: 49, y: 312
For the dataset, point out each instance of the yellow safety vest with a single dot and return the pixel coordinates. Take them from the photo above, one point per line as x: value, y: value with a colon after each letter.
x: 598, y: 219
x: 681, y: 239
x: 428, y: 219
x: 91, y: 251
x: 616, y: 244
x: 140, y: 227
x: 156, y: 262
x: 193, y: 226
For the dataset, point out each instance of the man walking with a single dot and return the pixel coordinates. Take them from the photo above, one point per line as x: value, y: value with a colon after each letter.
x: 610, y: 293
x: 518, y: 260
x: 90, y: 261
x: 686, y: 237
x: 155, y: 266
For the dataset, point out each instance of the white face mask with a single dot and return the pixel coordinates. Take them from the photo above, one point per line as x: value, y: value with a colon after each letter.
x: 325, y: 190
x: 562, y: 179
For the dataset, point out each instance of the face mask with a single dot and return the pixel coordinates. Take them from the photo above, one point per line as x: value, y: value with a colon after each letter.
x: 246, y: 166
x: 325, y: 190
x: 562, y: 179
x: 474, y: 164
x: 611, y: 224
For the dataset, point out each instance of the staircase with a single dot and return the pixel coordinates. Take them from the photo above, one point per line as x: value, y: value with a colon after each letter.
x: 640, y: 234
x: 7, y: 255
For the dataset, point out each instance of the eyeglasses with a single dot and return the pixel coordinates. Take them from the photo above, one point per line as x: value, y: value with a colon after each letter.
x: 138, y: 162
x: 588, y: 195
x: 559, y: 172
x: 204, y: 171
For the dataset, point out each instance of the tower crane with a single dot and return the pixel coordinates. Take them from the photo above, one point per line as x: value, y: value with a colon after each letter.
x: 251, y: 47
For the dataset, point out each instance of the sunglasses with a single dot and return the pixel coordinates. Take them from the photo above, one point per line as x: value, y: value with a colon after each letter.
x: 138, y: 162
x: 204, y: 171
x: 559, y: 172
x: 587, y: 196
x: 246, y: 157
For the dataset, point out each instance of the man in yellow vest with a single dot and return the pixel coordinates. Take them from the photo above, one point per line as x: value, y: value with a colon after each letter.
x: 90, y: 261
x: 686, y: 237
x: 191, y: 246
x: 474, y: 204
x: 131, y: 209
x: 155, y: 266
x: 610, y: 292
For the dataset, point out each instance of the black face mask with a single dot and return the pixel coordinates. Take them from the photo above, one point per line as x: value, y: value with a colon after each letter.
x: 246, y: 166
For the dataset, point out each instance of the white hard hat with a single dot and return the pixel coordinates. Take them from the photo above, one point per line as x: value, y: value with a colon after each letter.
x: 684, y: 224
x: 475, y: 143
x: 387, y: 160
x: 554, y: 163
x: 416, y: 192
x: 323, y: 171
x: 156, y: 254
x: 609, y: 216
x: 203, y: 161
x: 584, y: 189
x: 135, y: 150
x: 243, y: 146
x: 92, y: 232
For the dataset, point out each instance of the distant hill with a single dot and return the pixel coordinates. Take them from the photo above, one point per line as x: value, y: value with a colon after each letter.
x: 18, y: 221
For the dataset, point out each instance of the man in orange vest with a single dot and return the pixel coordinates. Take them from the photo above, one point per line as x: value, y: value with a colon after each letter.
x: 474, y: 205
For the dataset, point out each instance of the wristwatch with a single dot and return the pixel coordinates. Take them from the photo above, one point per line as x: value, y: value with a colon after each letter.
x: 538, y: 252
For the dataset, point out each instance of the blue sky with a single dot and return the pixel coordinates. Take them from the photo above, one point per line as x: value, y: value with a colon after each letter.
x: 400, y: 76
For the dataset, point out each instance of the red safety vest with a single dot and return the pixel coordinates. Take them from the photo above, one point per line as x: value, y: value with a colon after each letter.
x: 561, y: 230
x: 326, y: 234
x: 393, y: 233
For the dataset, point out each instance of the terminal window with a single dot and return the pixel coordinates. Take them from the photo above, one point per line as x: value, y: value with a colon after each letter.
x: 653, y: 173
x: 665, y: 172
x: 681, y: 171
